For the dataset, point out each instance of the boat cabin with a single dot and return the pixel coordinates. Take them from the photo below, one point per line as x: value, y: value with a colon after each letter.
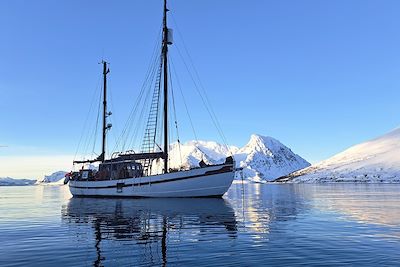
x: 121, y: 169
x: 111, y: 170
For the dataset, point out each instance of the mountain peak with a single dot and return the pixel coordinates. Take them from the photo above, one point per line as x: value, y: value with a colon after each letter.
x: 262, y: 138
x: 264, y: 144
x: 265, y: 158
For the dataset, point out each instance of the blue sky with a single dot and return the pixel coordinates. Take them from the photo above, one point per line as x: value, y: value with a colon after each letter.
x: 319, y: 76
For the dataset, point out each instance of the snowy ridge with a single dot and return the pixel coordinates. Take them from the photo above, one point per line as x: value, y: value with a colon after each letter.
x: 377, y: 160
x: 7, y: 181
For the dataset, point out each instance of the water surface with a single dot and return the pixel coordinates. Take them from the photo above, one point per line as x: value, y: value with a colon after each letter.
x: 254, y: 224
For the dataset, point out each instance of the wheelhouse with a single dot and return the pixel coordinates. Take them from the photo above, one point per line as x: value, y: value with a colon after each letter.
x: 110, y: 170
x: 121, y: 169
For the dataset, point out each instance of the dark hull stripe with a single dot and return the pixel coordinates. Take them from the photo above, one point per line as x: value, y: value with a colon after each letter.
x: 225, y: 169
x: 138, y: 197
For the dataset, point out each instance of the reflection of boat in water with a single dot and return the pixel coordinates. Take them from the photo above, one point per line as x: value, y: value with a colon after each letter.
x: 147, y: 224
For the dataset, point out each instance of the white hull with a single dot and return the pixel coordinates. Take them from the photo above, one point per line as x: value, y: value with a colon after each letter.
x: 202, y: 182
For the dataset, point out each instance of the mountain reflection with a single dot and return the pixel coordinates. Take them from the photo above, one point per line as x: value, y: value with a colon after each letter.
x: 148, y: 225
x: 262, y: 206
x: 365, y: 203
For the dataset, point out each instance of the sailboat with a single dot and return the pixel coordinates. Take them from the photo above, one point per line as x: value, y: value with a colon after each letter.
x: 129, y: 174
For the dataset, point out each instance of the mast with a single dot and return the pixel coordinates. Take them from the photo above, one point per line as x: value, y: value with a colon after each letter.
x: 165, y: 63
x: 105, y: 127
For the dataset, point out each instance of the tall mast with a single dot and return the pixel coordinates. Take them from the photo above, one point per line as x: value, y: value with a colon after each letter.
x: 105, y: 127
x: 165, y: 63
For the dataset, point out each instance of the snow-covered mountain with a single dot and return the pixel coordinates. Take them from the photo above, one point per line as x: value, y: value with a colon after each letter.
x: 262, y: 158
x: 377, y: 160
x: 52, y: 178
x: 265, y: 158
x: 7, y: 181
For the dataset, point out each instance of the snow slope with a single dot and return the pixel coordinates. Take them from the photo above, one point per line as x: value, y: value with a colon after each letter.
x: 7, y: 181
x: 377, y: 160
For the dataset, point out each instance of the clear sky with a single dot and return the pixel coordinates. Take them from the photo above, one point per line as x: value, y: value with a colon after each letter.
x: 319, y: 76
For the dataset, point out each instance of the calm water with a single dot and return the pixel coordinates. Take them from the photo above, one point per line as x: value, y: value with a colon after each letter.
x: 284, y: 225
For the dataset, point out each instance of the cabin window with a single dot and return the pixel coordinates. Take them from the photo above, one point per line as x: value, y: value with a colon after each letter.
x: 85, y: 175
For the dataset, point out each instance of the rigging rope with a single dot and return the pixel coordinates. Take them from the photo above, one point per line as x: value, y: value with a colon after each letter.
x: 206, y: 105
x: 174, y: 109
x: 127, y: 130
x: 205, y: 99
x: 184, y: 102
x: 91, y: 133
x: 97, y: 124
x: 133, y: 113
x: 87, y: 117
x: 136, y: 116
x: 112, y: 119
